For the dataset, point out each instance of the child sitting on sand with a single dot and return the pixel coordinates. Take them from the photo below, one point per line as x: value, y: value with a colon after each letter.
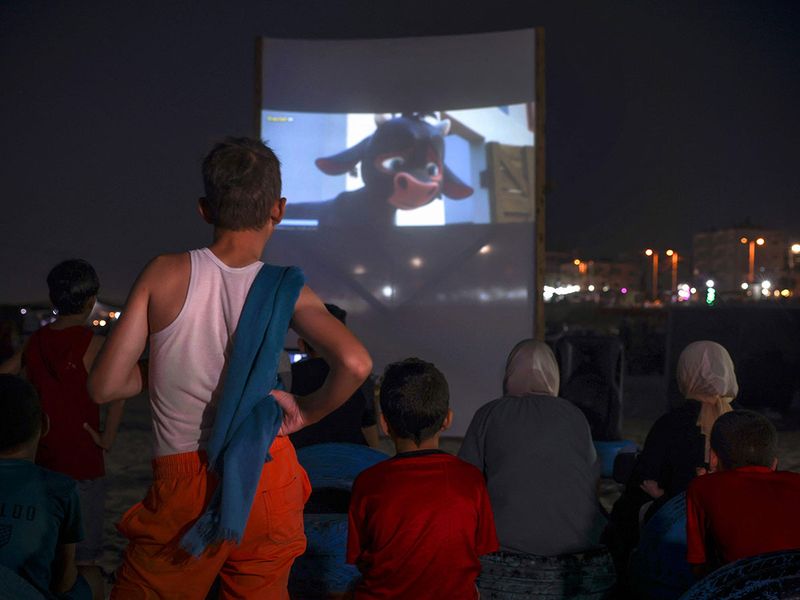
x: 418, y: 522
x: 40, y: 518
x: 744, y: 507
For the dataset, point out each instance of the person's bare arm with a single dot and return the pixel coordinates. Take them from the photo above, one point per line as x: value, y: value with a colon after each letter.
x: 349, y: 363
x: 115, y: 374
x: 114, y: 415
x: 64, y: 570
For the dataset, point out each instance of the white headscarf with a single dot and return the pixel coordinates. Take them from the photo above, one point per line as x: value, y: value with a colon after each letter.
x: 705, y: 373
x: 531, y: 368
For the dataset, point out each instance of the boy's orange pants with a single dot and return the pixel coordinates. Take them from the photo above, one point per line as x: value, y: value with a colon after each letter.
x: 155, y: 567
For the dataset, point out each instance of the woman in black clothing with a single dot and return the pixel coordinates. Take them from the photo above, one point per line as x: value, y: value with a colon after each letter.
x: 677, y: 445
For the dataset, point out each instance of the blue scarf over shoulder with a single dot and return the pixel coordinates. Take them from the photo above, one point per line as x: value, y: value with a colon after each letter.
x: 248, y: 418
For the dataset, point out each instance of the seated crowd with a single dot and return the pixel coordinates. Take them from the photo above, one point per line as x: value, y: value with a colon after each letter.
x: 225, y: 507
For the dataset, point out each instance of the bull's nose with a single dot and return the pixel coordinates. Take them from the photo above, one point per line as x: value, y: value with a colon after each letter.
x: 402, y: 182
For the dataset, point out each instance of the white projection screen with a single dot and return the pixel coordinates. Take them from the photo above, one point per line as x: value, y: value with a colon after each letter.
x: 412, y: 169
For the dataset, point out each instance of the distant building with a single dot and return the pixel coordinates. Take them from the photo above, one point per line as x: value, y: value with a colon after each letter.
x: 725, y: 256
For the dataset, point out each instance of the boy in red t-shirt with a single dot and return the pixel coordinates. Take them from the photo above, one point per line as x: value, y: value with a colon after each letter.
x: 744, y: 507
x: 418, y: 522
x: 56, y: 359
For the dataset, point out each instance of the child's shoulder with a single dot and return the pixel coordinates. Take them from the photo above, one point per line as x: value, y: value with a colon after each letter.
x: 24, y: 472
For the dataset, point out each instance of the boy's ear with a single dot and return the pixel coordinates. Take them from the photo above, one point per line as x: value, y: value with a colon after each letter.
x: 202, y: 208
x: 384, y: 425
x: 713, y: 461
x: 448, y: 420
x: 277, y: 211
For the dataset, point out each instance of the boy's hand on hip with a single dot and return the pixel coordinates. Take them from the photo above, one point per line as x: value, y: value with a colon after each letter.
x: 293, y: 417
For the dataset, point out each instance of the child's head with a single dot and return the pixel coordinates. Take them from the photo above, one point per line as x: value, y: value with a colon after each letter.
x: 20, y: 415
x: 73, y: 286
x: 242, y: 180
x: 414, y: 400
x: 743, y: 438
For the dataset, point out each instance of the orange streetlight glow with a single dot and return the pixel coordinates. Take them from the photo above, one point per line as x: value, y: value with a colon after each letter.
x: 576, y: 262
x: 670, y: 253
x: 751, y: 258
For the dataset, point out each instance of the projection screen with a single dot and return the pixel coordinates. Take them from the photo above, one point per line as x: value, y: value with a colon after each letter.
x: 413, y: 183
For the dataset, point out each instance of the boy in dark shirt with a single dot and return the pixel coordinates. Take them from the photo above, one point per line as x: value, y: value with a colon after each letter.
x: 40, y: 520
x: 353, y: 422
x: 744, y: 507
x: 418, y: 522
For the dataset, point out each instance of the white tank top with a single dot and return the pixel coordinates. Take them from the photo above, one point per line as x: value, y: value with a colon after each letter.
x: 188, y: 358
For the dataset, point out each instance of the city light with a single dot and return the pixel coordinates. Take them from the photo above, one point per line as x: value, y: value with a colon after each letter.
x: 550, y: 291
x: 710, y: 283
x: 693, y: 290
x: 23, y: 311
x: 416, y: 262
x: 576, y: 262
x: 485, y: 249
x: 591, y: 287
x: 745, y: 285
x: 623, y: 291
x: 786, y: 293
x: 743, y: 240
x: 711, y: 295
x: 649, y: 252
x: 670, y: 253
x: 795, y: 248
x: 102, y: 322
x: 387, y: 291
x: 760, y: 241
x: 766, y: 284
x: 359, y: 270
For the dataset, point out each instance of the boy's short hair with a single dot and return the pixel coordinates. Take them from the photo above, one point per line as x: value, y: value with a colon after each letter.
x: 242, y: 179
x: 414, y: 399
x: 743, y: 438
x: 20, y: 412
x: 71, y: 284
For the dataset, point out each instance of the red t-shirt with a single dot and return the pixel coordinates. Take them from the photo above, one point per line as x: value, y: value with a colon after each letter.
x: 742, y: 512
x: 54, y: 365
x: 418, y: 523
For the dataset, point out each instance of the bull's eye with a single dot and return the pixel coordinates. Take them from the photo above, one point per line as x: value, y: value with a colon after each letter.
x: 393, y: 163
x: 432, y: 169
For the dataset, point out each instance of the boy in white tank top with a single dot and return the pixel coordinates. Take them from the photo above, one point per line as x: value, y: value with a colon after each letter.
x: 188, y: 305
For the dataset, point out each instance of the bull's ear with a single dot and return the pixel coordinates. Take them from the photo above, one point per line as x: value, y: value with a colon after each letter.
x: 344, y: 161
x: 453, y: 187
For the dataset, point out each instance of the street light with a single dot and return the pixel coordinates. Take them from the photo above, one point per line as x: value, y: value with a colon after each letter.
x: 651, y: 252
x: 751, y: 258
x: 795, y: 248
x: 674, y: 255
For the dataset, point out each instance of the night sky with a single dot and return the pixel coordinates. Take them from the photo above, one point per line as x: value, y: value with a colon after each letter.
x: 663, y: 118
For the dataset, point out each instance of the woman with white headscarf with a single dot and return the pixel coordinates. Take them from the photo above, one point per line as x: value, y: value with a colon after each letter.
x: 677, y: 445
x: 536, y: 453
